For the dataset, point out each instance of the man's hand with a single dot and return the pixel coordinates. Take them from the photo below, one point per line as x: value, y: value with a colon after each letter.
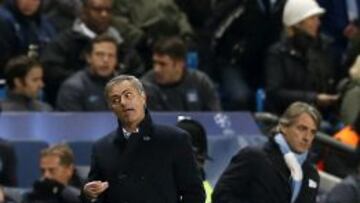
x: 351, y: 31
x: 94, y: 188
x: 325, y: 100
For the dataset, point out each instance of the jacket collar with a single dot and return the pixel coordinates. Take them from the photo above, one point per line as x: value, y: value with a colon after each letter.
x: 275, y: 155
x: 145, y: 129
x: 80, y: 27
x: 97, y: 78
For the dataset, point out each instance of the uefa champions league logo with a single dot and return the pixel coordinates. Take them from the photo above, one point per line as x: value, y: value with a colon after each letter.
x: 224, y: 122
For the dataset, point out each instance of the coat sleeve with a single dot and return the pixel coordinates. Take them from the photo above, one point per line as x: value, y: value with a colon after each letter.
x: 187, y: 177
x: 343, y: 193
x: 94, y: 174
x: 233, y: 185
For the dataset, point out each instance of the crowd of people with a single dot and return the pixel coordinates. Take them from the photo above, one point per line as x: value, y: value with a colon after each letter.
x: 165, y: 55
x: 307, y: 50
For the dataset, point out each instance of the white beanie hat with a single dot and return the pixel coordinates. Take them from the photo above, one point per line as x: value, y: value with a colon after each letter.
x: 296, y: 11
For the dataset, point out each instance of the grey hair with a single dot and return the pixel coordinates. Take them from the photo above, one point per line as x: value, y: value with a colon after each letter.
x: 295, y: 110
x: 136, y: 83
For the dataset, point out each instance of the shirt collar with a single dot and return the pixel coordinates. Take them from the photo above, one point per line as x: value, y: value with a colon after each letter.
x: 127, y: 133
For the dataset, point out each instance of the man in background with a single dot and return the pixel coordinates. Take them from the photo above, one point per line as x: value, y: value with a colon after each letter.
x: 59, y: 182
x: 84, y: 91
x: 171, y: 86
x: 24, y: 80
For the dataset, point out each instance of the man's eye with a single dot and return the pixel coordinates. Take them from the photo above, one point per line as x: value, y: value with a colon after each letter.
x: 301, y: 128
x: 116, y: 100
x: 128, y: 95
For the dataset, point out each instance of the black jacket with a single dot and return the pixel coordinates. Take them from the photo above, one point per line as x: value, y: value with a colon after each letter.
x: 156, y: 165
x: 83, y: 91
x: 51, y: 191
x: 243, y: 43
x: 260, y: 175
x: 194, y: 92
x: 297, y: 69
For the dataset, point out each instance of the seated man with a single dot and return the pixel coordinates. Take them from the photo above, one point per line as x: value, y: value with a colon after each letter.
x: 84, y: 91
x: 24, y: 79
x: 59, y: 181
x: 170, y: 86
x: 64, y: 55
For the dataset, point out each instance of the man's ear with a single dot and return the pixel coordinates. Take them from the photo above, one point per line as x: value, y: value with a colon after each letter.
x: 180, y: 62
x: 88, y: 58
x: 109, y: 105
x: 17, y: 82
x: 145, y: 97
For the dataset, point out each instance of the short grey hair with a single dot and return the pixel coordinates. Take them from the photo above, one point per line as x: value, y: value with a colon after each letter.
x: 136, y: 83
x: 295, y: 110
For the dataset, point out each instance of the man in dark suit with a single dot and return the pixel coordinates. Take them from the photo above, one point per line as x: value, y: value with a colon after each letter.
x: 280, y: 170
x: 141, y: 161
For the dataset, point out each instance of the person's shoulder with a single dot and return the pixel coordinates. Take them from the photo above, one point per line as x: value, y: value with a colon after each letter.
x: 69, y: 38
x: 251, y: 155
x: 42, y: 106
x: 106, y: 140
x: 75, y: 80
x: 11, y: 105
x: 66, y: 34
x: 253, y: 151
x: 325, y: 40
x: 167, y: 132
x: 197, y: 74
x: 148, y: 77
x: 280, y: 46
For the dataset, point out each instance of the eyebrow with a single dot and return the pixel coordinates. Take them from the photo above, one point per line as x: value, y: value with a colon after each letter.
x: 121, y: 93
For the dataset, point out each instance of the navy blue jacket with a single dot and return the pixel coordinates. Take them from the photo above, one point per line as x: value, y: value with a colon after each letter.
x: 156, y: 165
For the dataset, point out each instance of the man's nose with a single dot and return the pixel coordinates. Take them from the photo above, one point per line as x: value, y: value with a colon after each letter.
x: 41, y: 84
x: 46, y: 175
